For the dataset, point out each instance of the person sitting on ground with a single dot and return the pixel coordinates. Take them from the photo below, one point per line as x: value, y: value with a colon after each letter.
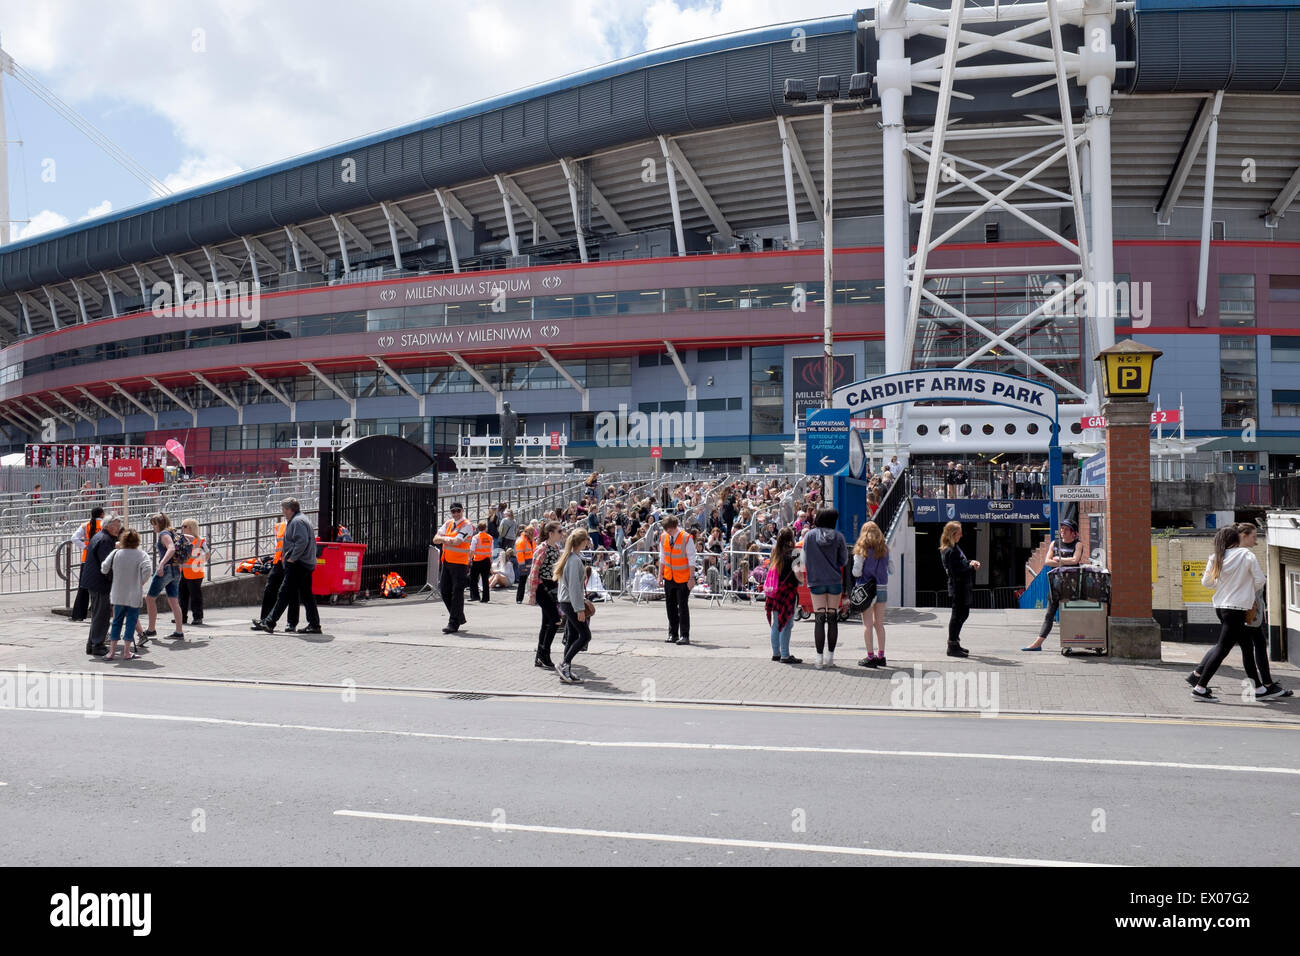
x: 503, y: 572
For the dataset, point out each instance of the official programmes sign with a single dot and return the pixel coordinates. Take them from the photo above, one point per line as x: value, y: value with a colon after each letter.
x: 948, y: 385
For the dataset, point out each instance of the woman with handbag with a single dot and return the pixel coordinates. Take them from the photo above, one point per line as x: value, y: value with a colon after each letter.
x: 542, y: 590
x: 961, y: 573
x: 871, y: 571
x: 1235, y: 576
x: 570, y: 575
x: 781, y: 595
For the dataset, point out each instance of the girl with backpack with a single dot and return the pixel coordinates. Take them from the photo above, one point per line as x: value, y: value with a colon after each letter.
x: 781, y: 594
x: 173, y: 551
x: 871, y: 563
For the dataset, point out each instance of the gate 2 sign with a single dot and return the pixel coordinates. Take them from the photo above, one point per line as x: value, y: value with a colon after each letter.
x: 944, y: 384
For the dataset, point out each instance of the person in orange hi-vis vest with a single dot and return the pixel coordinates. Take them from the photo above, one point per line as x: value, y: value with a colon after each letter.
x: 480, y: 568
x: 524, y: 549
x: 676, y: 561
x: 192, y: 574
x: 274, y: 580
x: 453, y: 538
x: 81, y: 539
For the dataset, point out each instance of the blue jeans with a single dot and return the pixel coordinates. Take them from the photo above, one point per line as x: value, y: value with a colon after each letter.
x: 781, y: 636
x: 124, y: 618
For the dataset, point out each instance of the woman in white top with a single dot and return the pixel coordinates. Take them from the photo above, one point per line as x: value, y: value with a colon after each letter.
x: 1235, y: 576
x: 1246, y: 542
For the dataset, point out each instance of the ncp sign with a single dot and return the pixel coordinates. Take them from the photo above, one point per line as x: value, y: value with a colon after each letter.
x: 953, y: 385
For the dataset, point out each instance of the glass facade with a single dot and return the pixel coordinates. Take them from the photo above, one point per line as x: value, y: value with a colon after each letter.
x: 999, y: 302
x: 767, y: 390
x: 542, y: 308
x: 1238, y: 354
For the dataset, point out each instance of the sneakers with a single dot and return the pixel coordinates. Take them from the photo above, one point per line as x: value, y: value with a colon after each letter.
x: 956, y: 650
x: 1203, y: 694
x: 830, y: 659
x: 792, y: 660
x: 1271, y: 692
x: 543, y: 662
x: 566, y: 674
x: 683, y: 640
x: 821, y: 660
x: 670, y: 639
x: 291, y: 629
x: 880, y: 660
x: 776, y: 657
x: 1193, y: 678
x: 310, y: 629
x: 175, y: 636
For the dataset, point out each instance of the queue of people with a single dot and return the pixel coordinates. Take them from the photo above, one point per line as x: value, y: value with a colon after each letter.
x: 116, y: 576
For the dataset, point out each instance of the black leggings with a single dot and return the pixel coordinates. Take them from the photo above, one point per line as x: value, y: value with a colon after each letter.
x: 1260, y: 644
x: 826, y: 630
x: 959, y: 614
x: 550, y: 619
x: 577, y: 633
x: 522, y: 585
x: 1232, y: 633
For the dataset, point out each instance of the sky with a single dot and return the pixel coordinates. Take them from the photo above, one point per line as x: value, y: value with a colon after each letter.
x: 194, y: 90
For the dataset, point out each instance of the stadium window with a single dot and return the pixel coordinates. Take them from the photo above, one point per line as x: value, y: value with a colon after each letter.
x: 1237, y: 300
x: 730, y: 354
x: 1286, y: 402
x: 652, y: 359
x: 1284, y: 348
x: 719, y: 404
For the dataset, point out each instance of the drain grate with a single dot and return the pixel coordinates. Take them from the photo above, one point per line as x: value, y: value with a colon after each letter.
x: 469, y: 696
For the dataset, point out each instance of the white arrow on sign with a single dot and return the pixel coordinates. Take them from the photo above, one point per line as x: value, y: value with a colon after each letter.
x: 827, y: 461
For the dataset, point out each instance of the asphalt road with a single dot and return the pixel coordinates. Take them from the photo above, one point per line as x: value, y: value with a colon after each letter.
x: 178, y: 773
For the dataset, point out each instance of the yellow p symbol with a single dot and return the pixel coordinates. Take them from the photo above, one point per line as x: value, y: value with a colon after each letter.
x: 1130, y: 377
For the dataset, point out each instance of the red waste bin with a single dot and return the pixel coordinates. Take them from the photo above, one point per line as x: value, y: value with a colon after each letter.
x: 338, y: 570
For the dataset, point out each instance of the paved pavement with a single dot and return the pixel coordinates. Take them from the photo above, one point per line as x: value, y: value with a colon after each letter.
x: 184, y: 773
x: 398, y: 644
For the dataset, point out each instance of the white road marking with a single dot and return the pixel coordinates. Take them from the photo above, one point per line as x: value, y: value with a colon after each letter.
x: 715, y: 841
x: 678, y: 744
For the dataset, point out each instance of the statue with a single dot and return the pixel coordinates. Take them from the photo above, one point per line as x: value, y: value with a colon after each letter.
x: 509, y: 431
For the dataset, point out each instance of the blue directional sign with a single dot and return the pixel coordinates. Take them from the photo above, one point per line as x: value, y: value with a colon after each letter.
x: 826, y: 441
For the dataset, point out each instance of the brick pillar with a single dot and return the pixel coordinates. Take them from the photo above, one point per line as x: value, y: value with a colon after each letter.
x: 1133, y: 631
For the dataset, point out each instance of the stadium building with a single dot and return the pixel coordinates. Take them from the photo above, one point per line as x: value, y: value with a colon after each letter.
x: 647, y: 237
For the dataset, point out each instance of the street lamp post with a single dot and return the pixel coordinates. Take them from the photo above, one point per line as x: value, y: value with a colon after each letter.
x: 828, y: 92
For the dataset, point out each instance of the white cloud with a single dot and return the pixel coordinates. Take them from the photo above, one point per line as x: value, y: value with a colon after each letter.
x: 197, y: 170
x: 276, y: 80
x: 47, y: 220
x: 102, y: 209
x: 670, y: 21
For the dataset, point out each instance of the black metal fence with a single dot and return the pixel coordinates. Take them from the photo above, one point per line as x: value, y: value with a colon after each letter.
x: 395, y: 520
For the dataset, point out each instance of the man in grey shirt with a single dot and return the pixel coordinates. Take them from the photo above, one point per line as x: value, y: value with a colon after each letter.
x: 299, y: 563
